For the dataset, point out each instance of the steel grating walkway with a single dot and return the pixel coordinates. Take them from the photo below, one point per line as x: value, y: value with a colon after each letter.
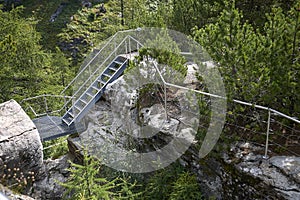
x: 52, y: 127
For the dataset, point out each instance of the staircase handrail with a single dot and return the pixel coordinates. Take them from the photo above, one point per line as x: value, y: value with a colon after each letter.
x: 67, y: 98
x: 85, y: 67
x: 44, y: 97
x: 73, y: 96
x: 100, y: 51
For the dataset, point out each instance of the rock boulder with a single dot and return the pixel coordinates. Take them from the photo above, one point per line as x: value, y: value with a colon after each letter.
x: 56, y: 172
x: 21, y: 155
x: 7, y: 194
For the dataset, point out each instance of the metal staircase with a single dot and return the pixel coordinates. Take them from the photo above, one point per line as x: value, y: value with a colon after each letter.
x: 94, y: 92
x: 60, y: 115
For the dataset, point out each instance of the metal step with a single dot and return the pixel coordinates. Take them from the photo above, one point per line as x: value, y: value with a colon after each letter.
x: 83, y: 101
x: 118, y: 62
x: 102, y: 82
x: 113, y: 68
x: 77, y: 108
x: 95, y: 88
x: 107, y: 75
x: 67, y: 120
x: 89, y: 94
x: 71, y: 114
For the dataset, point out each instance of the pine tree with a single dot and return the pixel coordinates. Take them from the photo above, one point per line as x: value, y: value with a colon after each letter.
x: 258, y: 66
x: 85, y: 182
x: 22, y: 58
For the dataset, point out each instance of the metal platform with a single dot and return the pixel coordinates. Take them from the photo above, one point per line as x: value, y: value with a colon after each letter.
x: 52, y: 127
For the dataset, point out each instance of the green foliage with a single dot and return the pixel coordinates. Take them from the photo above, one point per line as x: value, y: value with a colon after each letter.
x: 257, y: 66
x: 172, y: 183
x: 160, y: 185
x: 180, y: 15
x: 55, y: 148
x: 87, y: 28
x: 85, y: 182
x: 22, y: 58
x: 42, y: 11
x: 166, y: 57
x: 28, y: 70
x: 165, y: 50
x: 185, y: 187
x: 281, y: 38
x: 190, y: 13
x: 60, y: 71
x: 141, y: 13
x: 255, y: 10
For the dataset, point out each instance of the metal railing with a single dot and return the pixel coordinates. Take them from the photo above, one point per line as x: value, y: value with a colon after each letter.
x: 88, y: 74
x: 45, y: 104
x: 270, y: 112
x: 84, y: 78
x: 125, y: 43
x: 87, y: 67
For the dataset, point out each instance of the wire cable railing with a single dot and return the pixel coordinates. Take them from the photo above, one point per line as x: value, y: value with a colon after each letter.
x: 269, y: 124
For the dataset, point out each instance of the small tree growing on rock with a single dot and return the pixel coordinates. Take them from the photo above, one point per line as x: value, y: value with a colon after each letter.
x: 85, y: 182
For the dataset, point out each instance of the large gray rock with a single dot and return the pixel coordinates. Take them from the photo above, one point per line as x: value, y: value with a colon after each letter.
x: 281, y: 173
x: 21, y: 155
x: 290, y: 166
x: 56, y: 172
x: 242, y: 172
x: 7, y: 194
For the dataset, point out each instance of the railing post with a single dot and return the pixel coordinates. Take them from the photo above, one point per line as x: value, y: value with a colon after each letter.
x: 267, y: 138
x: 65, y: 102
x: 115, y: 47
x: 90, y: 70
x: 129, y: 47
x: 166, y: 112
x: 46, y: 106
